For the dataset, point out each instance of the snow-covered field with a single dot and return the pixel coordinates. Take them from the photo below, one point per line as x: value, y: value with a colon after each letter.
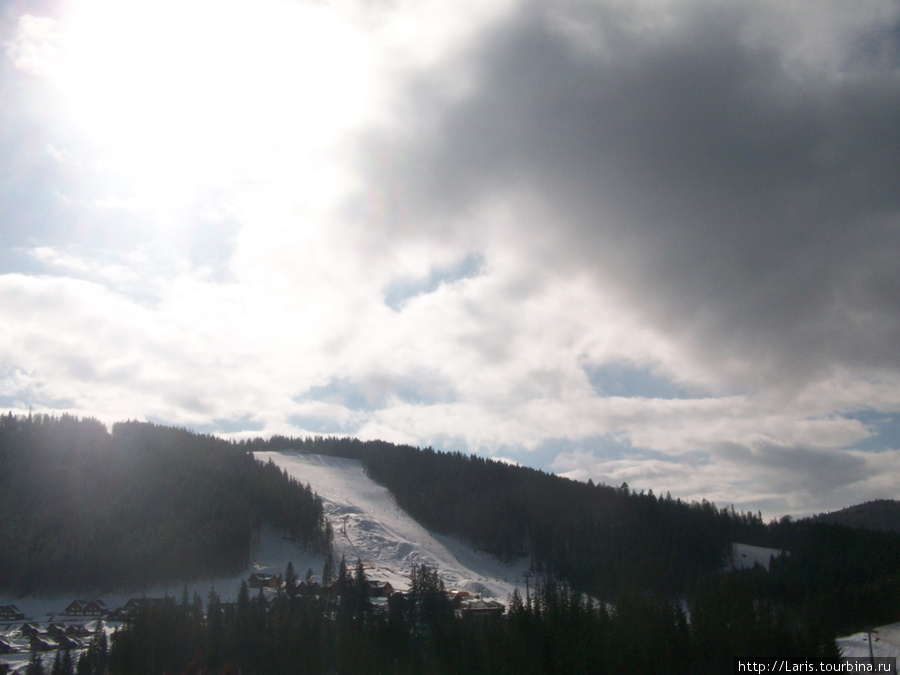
x: 745, y: 556
x: 885, y: 642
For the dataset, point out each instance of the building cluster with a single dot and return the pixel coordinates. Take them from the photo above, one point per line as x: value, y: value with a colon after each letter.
x: 18, y: 636
x: 71, y: 629
x: 465, y: 604
x: 274, y: 584
x: 81, y: 618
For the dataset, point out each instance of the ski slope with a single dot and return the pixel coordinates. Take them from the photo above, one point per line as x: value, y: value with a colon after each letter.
x: 885, y: 642
x: 369, y: 526
x: 745, y: 556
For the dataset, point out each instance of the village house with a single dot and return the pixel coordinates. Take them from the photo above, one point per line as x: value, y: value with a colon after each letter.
x: 78, y: 630
x: 39, y: 644
x: 55, y: 630
x: 10, y: 613
x: 379, y: 589
x: 482, y: 609
x: 6, y: 647
x: 258, y: 580
x: 117, y: 615
x: 130, y: 608
x: 30, y: 630
x: 69, y: 642
x: 86, y: 608
x: 313, y: 588
x: 457, y: 598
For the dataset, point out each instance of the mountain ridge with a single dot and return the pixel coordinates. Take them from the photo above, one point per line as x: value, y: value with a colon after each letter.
x: 882, y: 515
x: 187, y: 499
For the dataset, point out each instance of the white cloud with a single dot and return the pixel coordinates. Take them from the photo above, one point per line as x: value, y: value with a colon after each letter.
x: 687, y: 190
x: 774, y: 480
x: 36, y: 44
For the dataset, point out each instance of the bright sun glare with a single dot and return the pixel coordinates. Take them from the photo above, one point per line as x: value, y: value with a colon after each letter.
x: 180, y: 92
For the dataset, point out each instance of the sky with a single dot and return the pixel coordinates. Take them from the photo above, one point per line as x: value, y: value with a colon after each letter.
x: 644, y: 241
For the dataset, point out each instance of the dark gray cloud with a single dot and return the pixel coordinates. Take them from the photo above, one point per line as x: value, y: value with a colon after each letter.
x: 788, y: 469
x: 744, y: 200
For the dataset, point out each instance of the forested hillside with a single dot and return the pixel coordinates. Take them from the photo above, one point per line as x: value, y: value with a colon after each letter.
x: 84, y: 508
x: 882, y: 515
x: 609, y: 540
x: 596, y: 537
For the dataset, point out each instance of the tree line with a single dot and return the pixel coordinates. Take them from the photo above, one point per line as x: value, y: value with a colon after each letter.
x: 86, y: 508
x: 603, y: 539
x: 552, y: 629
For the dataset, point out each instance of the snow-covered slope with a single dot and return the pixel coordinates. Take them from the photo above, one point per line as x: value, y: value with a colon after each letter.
x: 885, y: 642
x: 745, y: 556
x: 369, y: 526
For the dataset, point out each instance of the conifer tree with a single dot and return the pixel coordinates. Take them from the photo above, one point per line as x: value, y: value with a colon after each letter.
x: 35, y: 665
x: 360, y: 592
x: 290, y: 581
x: 328, y: 570
x: 67, y: 667
x: 242, y: 629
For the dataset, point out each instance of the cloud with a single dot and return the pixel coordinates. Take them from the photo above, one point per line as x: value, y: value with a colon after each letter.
x: 652, y: 242
x: 774, y: 480
x: 35, y: 46
x: 738, y: 191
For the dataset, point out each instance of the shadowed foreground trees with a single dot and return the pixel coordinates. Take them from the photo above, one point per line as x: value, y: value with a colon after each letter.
x: 555, y: 629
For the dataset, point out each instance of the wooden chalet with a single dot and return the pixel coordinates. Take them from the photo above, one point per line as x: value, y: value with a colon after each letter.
x: 30, y: 630
x: 39, y: 644
x: 379, y: 589
x: 55, y: 630
x: 7, y: 647
x: 69, y: 642
x: 130, y: 608
x: 10, y: 613
x: 134, y: 604
x: 312, y: 588
x: 86, y: 608
x: 482, y: 609
x: 258, y: 580
x: 78, y: 630
x: 457, y: 598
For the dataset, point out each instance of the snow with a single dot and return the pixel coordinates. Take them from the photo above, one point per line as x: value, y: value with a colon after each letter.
x: 745, y: 556
x: 369, y: 526
x: 885, y: 642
